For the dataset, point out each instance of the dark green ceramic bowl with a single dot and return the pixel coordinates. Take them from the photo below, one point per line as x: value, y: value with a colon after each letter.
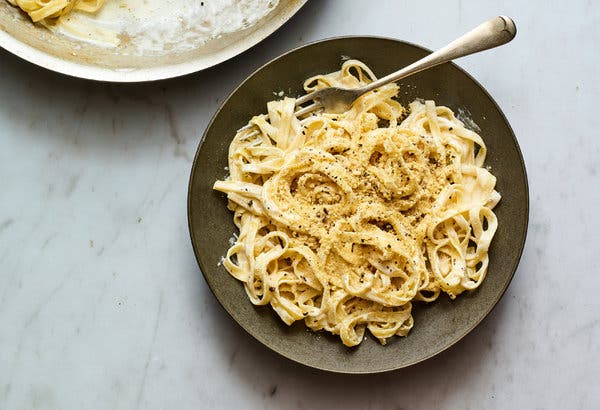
x: 438, y: 325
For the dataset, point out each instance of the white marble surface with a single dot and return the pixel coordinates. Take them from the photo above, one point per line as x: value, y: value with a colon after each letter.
x: 102, y: 305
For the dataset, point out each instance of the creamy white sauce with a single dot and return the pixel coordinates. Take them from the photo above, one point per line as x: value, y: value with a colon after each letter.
x: 155, y: 26
x: 464, y: 116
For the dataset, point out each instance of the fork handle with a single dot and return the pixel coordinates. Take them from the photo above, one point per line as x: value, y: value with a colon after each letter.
x: 493, y: 33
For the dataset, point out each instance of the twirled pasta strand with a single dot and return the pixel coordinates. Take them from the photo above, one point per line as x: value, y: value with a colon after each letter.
x: 346, y: 219
x: 46, y: 10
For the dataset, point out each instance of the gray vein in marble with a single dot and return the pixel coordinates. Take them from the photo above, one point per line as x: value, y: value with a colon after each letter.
x: 4, y: 225
x: 28, y: 322
x: 138, y: 94
x: 586, y: 328
x: 172, y: 183
x: 35, y: 224
x: 176, y: 135
x: 146, y: 199
x: 140, y: 394
x: 32, y: 317
x: 72, y: 185
x: 48, y: 240
x: 80, y: 114
x: 111, y: 93
x: 233, y: 355
x: 100, y: 297
x: 273, y: 391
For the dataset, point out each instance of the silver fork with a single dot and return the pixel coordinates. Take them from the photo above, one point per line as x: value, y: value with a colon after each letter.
x: 492, y: 33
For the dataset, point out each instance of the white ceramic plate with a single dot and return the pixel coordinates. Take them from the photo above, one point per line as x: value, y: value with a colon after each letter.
x: 131, y: 62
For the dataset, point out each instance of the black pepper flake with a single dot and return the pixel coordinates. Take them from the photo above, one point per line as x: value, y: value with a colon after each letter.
x: 272, y: 289
x: 250, y: 203
x: 450, y: 129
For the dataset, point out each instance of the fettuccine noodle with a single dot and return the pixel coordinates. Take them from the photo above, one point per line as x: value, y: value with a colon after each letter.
x: 45, y: 10
x: 346, y: 219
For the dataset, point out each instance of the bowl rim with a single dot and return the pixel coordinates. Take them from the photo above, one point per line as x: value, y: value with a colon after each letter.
x: 97, y: 73
x: 457, y: 339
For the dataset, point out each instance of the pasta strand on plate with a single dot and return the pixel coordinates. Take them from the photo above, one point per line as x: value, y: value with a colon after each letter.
x: 47, y: 10
x: 346, y: 219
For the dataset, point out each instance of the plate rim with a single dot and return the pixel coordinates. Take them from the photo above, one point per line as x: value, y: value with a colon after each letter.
x: 96, y: 73
x: 513, y: 268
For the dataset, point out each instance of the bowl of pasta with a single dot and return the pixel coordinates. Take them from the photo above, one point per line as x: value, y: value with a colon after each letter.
x: 363, y: 241
x: 136, y: 40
